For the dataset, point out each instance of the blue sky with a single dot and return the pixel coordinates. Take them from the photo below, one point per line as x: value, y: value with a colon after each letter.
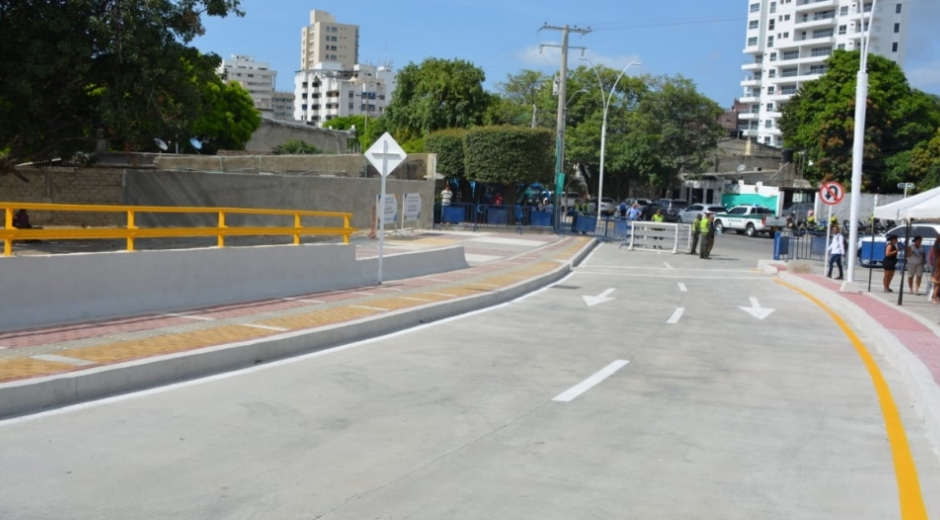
x: 699, y: 39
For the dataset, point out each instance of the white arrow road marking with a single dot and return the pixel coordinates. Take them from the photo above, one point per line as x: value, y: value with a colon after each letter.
x: 589, y: 383
x: 676, y: 316
x: 756, y: 310
x: 683, y: 288
x: 603, y: 297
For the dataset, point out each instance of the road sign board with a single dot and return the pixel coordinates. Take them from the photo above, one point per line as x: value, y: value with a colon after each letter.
x: 831, y: 193
x: 411, y: 206
x: 385, y: 154
x: 391, y: 207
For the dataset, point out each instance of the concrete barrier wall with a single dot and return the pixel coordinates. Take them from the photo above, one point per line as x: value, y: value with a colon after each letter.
x: 44, y: 291
x: 355, y: 195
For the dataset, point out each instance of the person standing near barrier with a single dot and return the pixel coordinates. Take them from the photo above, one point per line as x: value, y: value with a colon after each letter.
x: 696, y: 233
x: 657, y: 218
x: 623, y: 209
x: 916, y: 259
x: 836, y: 249
x: 634, y: 212
x: 890, y: 262
x: 707, y: 230
x: 933, y: 260
x: 446, y: 196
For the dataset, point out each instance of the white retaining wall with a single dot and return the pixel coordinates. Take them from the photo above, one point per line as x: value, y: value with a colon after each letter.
x: 42, y: 291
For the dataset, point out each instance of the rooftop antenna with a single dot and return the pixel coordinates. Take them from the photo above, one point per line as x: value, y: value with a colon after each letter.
x: 197, y: 144
x: 161, y: 144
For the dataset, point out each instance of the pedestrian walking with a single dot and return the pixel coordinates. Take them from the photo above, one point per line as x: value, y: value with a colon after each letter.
x: 696, y: 233
x: 890, y: 262
x: 836, y: 250
x: 916, y: 257
x: 933, y: 260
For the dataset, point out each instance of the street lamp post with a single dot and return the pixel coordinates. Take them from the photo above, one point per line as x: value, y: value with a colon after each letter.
x: 858, y: 148
x: 605, y: 99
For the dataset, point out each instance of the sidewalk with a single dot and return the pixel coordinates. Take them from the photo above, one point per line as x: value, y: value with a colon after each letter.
x: 908, y: 336
x: 499, y: 262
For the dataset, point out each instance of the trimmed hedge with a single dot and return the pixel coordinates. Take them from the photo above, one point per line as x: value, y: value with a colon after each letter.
x: 448, y: 145
x: 508, y: 154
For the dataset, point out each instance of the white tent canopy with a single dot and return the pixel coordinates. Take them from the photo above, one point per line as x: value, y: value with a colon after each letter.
x: 923, y: 206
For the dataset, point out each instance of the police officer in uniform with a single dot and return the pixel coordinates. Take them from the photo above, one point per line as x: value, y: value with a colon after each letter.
x: 707, y: 230
x: 696, y: 233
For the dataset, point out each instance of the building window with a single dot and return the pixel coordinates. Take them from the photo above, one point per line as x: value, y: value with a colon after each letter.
x: 867, y: 8
x: 789, y: 73
x: 752, y: 41
x: 770, y: 41
x: 772, y: 73
x: 897, y: 9
x: 844, y: 11
x: 350, y: 106
x: 897, y: 28
x: 770, y: 90
x: 842, y: 29
x: 753, y: 24
x: 841, y: 46
x: 821, y: 51
x: 822, y: 33
x: 770, y: 107
x: 755, y: 7
x: 786, y: 17
x: 791, y: 55
x: 773, y: 56
x: 769, y: 123
x: 773, y: 7
x: 894, y: 47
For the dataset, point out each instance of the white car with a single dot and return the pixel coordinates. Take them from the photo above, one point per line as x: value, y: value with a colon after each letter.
x: 929, y: 232
x: 687, y: 216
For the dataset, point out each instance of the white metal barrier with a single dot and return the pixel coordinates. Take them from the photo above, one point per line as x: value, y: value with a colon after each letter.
x: 659, y: 236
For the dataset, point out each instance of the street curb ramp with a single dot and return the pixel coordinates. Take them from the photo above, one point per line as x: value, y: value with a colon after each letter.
x: 35, y: 395
x: 918, y: 381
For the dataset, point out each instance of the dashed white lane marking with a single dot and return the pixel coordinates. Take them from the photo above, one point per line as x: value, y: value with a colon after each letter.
x: 366, y: 307
x: 676, y: 316
x: 683, y: 288
x: 589, y: 383
x: 264, y: 327
x: 75, y: 362
x: 667, y: 265
x: 303, y: 300
x: 189, y: 316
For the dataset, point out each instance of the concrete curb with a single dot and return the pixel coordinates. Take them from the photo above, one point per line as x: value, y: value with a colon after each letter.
x: 35, y: 395
x: 918, y: 381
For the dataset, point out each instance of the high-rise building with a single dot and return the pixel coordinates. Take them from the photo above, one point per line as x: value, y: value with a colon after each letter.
x: 788, y: 42
x: 329, y: 90
x: 254, y: 76
x: 283, y: 105
x: 324, y: 41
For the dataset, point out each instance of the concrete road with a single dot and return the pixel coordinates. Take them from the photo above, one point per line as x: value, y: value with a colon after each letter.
x: 544, y: 408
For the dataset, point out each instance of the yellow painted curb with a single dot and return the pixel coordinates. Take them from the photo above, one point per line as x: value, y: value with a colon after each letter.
x: 905, y: 470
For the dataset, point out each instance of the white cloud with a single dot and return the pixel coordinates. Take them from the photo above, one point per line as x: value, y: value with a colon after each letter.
x: 548, y: 58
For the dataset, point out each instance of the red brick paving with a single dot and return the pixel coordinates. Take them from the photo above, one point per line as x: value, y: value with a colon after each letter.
x: 919, y: 339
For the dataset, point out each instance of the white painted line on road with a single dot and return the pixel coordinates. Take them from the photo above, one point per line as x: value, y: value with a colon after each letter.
x: 652, y: 268
x: 676, y: 316
x: 264, y: 327
x: 589, y: 256
x: 683, y: 288
x: 441, y: 294
x: 360, y: 293
x: 366, y: 307
x: 508, y: 241
x: 438, y: 280
x: 667, y: 265
x: 303, y: 300
x: 412, y: 298
x: 189, y: 316
x: 674, y: 276
x: 75, y: 362
x: 572, y: 393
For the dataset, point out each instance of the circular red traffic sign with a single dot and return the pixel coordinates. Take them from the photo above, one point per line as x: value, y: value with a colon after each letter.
x: 831, y: 193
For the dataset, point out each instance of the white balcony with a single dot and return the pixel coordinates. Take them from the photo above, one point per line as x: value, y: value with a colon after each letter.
x: 815, y: 24
x: 809, y: 40
x: 749, y: 116
x: 750, y: 81
x: 813, y: 5
x: 750, y: 99
x: 752, y: 66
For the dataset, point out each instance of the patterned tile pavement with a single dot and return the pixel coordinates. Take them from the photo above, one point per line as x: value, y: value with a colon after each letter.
x: 919, y: 339
x: 35, y: 353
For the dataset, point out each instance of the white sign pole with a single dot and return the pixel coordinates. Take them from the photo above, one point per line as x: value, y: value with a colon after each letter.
x: 382, y: 205
x: 828, y: 239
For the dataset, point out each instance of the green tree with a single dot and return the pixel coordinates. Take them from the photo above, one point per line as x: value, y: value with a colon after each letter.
x: 509, y: 155
x: 368, y: 129
x: 231, y: 117
x: 521, y: 95
x: 435, y: 95
x: 448, y: 145
x: 820, y: 119
x: 121, y: 67
x: 924, y: 163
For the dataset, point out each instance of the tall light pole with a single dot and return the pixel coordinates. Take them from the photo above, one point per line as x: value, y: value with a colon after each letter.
x: 605, y: 99
x: 858, y: 149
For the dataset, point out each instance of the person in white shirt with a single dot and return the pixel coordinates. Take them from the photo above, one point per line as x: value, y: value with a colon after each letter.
x: 836, y: 250
x: 446, y: 196
x: 916, y: 258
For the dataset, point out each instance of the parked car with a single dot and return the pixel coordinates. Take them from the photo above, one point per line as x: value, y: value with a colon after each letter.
x: 750, y: 220
x: 568, y: 199
x: 688, y: 215
x: 671, y: 208
x: 928, y: 231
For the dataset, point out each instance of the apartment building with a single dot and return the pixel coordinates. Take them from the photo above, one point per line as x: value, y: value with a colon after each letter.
x: 330, y: 90
x: 283, y: 105
x: 788, y: 42
x: 324, y: 40
x: 254, y: 76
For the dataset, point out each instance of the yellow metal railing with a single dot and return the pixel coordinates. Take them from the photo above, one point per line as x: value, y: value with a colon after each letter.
x: 131, y: 232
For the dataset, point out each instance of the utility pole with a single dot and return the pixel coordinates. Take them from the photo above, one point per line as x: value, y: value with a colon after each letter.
x: 562, y: 101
